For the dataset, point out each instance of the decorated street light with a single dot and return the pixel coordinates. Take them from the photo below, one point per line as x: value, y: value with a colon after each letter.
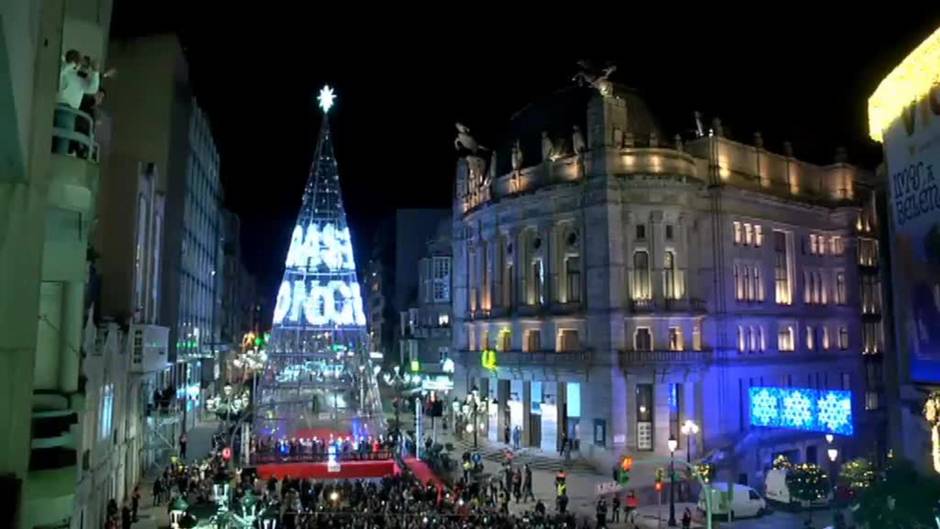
x: 472, y: 407
x: 689, y: 429
x: 673, y: 444
x: 177, y: 509
x: 404, y: 386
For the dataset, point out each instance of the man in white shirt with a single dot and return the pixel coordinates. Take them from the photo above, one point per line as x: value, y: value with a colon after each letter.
x: 72, y: 86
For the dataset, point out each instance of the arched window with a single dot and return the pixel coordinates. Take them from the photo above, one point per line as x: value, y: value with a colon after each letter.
x: 669, y: 276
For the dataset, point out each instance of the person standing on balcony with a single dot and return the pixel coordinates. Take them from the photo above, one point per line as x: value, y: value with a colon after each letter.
x: 72, y: 84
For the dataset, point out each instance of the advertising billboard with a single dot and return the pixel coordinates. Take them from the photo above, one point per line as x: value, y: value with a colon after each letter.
x: 904, y: 113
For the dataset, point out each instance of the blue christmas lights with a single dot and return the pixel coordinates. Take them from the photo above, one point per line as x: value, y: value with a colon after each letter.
x: 827, y: 411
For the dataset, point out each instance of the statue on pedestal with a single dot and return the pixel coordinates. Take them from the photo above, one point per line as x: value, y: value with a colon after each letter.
x: 548, y: 147
x: 589, y: 76
x: 577, y: 140
x: 516, y: 156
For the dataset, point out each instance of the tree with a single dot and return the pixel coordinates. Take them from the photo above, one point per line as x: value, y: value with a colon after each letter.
x: 857, y: 475
x: 901, y: 498
x: 807, y: 484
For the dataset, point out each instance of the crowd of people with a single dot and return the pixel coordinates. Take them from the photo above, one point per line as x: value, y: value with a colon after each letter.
x: 315, y: 449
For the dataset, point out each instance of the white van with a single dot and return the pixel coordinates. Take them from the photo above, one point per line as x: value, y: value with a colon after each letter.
x: 744, y: 503
x: 777, y: 491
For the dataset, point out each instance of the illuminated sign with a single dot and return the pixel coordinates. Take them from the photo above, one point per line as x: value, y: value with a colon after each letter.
x: 438, y: 383
x: 327, y: 248
x: 488, y: 359
x: 828, y: 411
x: 314, y: 303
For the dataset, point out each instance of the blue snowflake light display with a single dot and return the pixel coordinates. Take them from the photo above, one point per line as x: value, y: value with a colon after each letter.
x: 827, y: 411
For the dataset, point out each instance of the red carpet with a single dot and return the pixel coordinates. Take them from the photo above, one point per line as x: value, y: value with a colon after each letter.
x: 422, y: 472
x: 347, y: 470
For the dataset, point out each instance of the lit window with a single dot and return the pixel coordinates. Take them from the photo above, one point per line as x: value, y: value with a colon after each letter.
x: 843, y: 338
x: 782, y: 293
x: 813, y: 244
x: 825, y: 338
x: 670, y: 290
x: 758, y: 235
x: 738, y: 235
x: 840, y: 288
x: 748, y: 234
x: 440, y: 269
x: 740, y: 339
x: 443, y: 320
x: 573, y: 275
x: 785, y: 338
x: 568, y: 341
x: 642, y: 339
x: 871, y: 400
x: 505, y: 340
x: 675, y: 339
x: 810, y: 338
x: 533, y: 339
x: 641, y: 275
x: 835, y: 245
x: 105, y: 411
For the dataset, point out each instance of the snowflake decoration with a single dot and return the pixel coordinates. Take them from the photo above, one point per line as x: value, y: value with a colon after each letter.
x: 797, y: 411
x: 764, y: 406
x: 835, y: 413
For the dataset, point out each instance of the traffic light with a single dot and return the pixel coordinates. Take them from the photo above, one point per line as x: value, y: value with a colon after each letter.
x: 660, y: 474
x: 626, y: 464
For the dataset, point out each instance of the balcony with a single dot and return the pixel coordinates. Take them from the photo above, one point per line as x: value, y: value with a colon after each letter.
x: 645, y: 358
x: 646, y: 306
x: 430, y: 332
x: 73, y: 167
x: 73, y: 134
x: 573, y: 359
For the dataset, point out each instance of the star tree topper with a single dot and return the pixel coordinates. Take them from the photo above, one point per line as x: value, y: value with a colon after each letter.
x: 326, y: 98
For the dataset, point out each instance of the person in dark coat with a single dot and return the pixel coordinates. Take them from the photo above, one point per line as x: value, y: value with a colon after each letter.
x: 126, y: 519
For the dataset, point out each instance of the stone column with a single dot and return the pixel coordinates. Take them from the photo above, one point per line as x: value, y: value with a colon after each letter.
x: 73, y: 296
x: 561, y: 406
x: 657, y: 255
x: 502, y: 397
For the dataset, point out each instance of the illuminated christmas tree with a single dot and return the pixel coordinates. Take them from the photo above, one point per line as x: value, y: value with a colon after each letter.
x: 318, y: 336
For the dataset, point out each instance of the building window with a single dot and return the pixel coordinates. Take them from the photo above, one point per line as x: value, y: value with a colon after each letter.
x: 758, y: 235
x: 568, y: 341
x: 644, y: 416
x: 669, y: 276
x: 813, y: 244
x: 741, y: 342
x: 748, y: 234
x: 538, y: 282
x: 840, y: 289
x: 675, y: 339
x: 641, y: 275
x: 697, y: 336
x: 738, y: 281
x: 738, y: 233
x: 669, y: 234
x: 533, y: 340
x: 846, y: 381
x: 757, y: 284
x: 867, y: 252
x: 835, y: 245
x: 485, y: 341
x: 843, y: 338
x: 871, y: 337
x: 810, y: 338
x: 825, y: 338
x: 641, y: 232
x: 573, y: 276
x: 785, y: 341
x: 782, y: 293
x: 643, y: 339
x: 761, y: 341
x: 505, y: 340
x: 871, y: 400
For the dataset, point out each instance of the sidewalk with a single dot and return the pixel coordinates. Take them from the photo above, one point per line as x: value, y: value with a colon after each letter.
x: 150, y: 517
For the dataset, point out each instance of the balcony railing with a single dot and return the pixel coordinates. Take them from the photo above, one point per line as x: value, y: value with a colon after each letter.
x: 579, y: 358
x: 667, y: 305
x: 73, y: 134
x: 665, y: 357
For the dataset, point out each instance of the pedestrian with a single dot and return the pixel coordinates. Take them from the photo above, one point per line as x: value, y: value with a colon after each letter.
x: 517, y: 485
x: 135, y: 502
x: 527, y: 483
x: 632, y: 503
x: 615, y: 509
x: 687, y: 519
x: 183, y: 441
x: 506, y: 434
x: 516, y: 437
x: 601, y: 513
x: 562, y: 503
x: 126, y: 516
x: 157, y: 490
x: 563, y: 444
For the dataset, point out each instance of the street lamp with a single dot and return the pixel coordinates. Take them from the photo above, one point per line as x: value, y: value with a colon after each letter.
x: 177, y: 509
x: 689, y: 428
x: 833, y: 454
x: 673, y: 444
x: 829, y: 438
x: 473, y: 406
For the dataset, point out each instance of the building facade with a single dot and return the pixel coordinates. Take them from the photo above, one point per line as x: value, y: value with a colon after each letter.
x: 48, y: 200
x: 425, y: 340
x: 610, y: 285
x: 154, y: 89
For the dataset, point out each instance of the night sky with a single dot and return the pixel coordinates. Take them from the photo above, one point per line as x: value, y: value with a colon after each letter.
x: 402, y: 85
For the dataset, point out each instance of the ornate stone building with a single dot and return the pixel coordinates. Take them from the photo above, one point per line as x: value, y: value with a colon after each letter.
x: 629, y: 283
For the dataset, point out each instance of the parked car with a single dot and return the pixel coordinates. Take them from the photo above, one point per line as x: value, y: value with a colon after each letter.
x: 745, y: 502
x: 777, y: 491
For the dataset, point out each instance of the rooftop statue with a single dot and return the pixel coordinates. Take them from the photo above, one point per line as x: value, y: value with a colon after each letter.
x: 589, y: 76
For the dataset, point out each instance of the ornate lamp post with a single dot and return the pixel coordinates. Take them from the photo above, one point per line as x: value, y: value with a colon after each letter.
x: 177, y: 509
x: 472, y: 407
x: 404, y: 386
x: 833, y: 454
x: 689, y: 428
x: 673, y: 444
